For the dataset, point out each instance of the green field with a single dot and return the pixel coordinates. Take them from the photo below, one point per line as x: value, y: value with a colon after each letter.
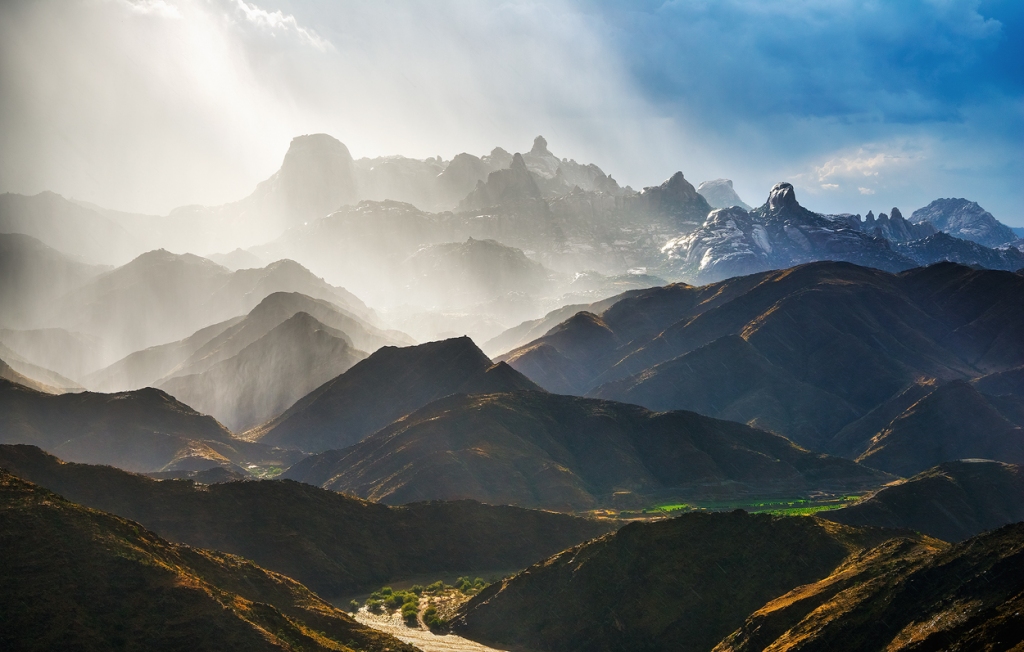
x: 778, y: 506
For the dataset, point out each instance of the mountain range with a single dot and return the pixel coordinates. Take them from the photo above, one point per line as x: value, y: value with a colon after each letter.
x: 805, y: 352
x: 565, y: 453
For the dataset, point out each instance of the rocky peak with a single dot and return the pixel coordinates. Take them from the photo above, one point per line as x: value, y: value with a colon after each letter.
x: 895, y: 214
x: 869, y: 219
x: 782, y: 197
x: 517, y: 162
x: 540, y: 147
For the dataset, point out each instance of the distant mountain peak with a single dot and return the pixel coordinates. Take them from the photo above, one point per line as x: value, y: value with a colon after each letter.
x: 540, y: 147
x: 782, y: 197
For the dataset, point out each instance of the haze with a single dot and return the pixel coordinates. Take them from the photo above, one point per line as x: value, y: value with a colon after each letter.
x: 147, y: 105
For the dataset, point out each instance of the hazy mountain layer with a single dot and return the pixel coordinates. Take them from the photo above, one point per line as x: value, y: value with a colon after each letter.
x: 144, y: 430
x: 841, y: 339
x: 952, y: 501
x: 68, y: 227
x: 337, y: 545
x: 680, y: 584
x: 7, y: 373
x: 720, y: 194
x: 51, y: 380
x: 269, y: 375
x: 76, y: 578
x: 161, y: 297
x: 389, y: 384
x: 535, y: 449
x: 70, y: 354
x: 902, y: 595
x: 33, y: 277
x: 144, y: 368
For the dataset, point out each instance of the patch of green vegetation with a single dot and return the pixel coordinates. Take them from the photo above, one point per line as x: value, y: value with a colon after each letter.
x: 265, y: 472
x: 407, y: 601
x: 777, y: 506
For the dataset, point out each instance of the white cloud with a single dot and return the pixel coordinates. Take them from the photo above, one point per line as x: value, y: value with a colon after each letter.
x: 279, y: 21
x: 865, y: 191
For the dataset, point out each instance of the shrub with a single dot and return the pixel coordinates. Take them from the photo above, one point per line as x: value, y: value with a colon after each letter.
x: 432, y: 620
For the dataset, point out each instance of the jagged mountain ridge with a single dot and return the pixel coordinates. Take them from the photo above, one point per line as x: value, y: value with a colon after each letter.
x: 966, y: 220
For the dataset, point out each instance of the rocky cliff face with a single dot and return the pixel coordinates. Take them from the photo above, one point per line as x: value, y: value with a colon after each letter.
x: 965, y: 219
x: 895, y: 227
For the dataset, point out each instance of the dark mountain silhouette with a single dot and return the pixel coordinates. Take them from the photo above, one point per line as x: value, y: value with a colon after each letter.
x: 779, y: 234
x: 952, y: 501
x: 144, y: 430
x: 680, y: 584
x: 953, y: 422
x: 337, y: 545
x: 820, y: 330
x: 32, y: 277
x: 269, y: 375
x: 561, y: 452
x: 77, y: 578
x: 161, y: 297
x: 964, y: 219
x: 902, y: 595
x: 75, y: 230
x: 389, y: 384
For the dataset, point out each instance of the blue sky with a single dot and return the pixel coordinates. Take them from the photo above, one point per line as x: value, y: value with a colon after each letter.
x: 149, y: 104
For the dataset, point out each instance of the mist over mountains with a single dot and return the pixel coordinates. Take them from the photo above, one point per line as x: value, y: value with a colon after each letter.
x: 398, y: 370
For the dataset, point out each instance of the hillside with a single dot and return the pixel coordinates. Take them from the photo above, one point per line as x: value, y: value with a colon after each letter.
x: 76, y: 578
x: 337, y: 545
x: 953, y: 422
x: 535, y: 449
x: 389, y: 384
x: 680, y: 584
x: 269, y: 375
x: 952, y: 501
x: 842, y: 339
x: 902, y: 595
x: 143, y: 430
